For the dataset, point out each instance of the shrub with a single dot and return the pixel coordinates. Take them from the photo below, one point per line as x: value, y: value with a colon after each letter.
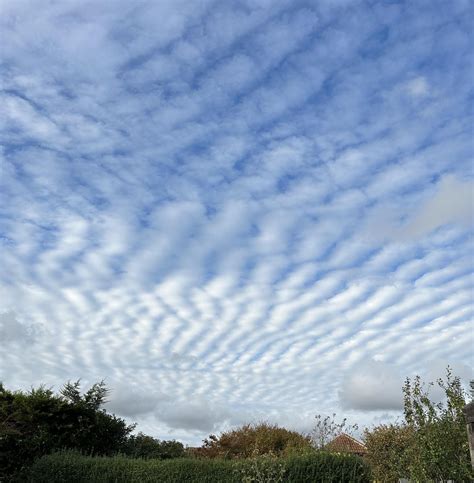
x: 60, y: 467
x: 244, y: 441
x: 387, y: 451
x: 327, y: 467
x: 266, y: 468
x: 143, y: 446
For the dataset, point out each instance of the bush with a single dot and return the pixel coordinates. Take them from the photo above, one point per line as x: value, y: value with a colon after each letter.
x: 263, y: 438
x: 387, y: 451
x: 320, y: 466
x: 143, y: 446
x: 266, y: 468
x: 327, y: 467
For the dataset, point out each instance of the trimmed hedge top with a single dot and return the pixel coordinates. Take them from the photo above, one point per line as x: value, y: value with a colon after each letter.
x: 315, y: 467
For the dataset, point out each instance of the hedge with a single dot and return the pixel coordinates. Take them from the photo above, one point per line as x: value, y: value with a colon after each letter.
x: 326, y: 467
x: 67, y: 466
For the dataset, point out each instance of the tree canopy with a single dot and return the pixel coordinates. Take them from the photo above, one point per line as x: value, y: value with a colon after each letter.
x: 245, y: 441
x: 431, y: 443
x: 39, y: 421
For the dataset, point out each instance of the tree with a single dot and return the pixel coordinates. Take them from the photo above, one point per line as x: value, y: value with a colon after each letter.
x: 143, y: 446
x: 38, y: 422
x: 387, y: 451
x: 327, y: 428
x: 245, y: 441
x: 94, y: 398
x: 440, y: 449
x: 431, y: 443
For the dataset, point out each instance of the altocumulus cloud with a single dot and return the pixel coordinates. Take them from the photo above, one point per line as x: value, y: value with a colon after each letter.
x: 235, y: 211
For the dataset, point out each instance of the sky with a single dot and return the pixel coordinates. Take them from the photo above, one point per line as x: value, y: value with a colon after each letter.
x: 238, y: 210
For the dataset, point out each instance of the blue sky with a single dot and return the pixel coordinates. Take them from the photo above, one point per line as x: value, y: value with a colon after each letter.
x: 236, y: 210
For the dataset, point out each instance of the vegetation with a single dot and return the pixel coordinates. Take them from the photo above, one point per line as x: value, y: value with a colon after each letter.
x: 318, y: 466
x: 387, y: 447
x: 327, y: 428
x: 143, y: 446
x: 38, y: 422
x: 244, y: 442
x: 70, y: 437
x: 431, y: 444
x: 262, y: 468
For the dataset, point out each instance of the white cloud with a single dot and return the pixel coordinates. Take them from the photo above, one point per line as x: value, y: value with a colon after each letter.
x: 372, y: 386
x: 11, y: 330
x: 418, y: 87
x: 225, y: 215
x: 132, y: 401
x: 452, y: 202
x: 193, y: 415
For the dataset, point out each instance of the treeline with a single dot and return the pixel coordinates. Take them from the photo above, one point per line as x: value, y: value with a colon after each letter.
x: 429, y: 444
x: 39, y: 422
x: 69, y: 436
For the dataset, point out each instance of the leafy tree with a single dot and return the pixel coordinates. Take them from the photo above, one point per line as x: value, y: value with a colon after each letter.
x: 327, y: 428
x: 431, y: 444
x: 387, y: 451
x: 38, y: 422
x: 263, y: 438
x: 440, y: 448
x: 172, y: 449
x: 94, y: 398
x: 143, y: 446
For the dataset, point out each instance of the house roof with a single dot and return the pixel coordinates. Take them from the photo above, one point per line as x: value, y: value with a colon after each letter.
x: 346, y: 444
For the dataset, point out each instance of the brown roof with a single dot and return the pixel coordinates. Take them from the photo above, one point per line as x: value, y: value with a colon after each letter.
x: 346, y: 444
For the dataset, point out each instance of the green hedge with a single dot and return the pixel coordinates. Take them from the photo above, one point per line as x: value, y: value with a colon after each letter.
x: 64, y: 467
x: 326, y: 467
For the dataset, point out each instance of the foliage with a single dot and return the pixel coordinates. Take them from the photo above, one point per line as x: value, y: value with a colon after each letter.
x: 431, y: 444
x: 266, y: 468
x: 387, y: 447
x: 318, y: 466
x: 327, y: 467
x: 440, y: 448
x: 244, y: 441
x: 38, y: 422
x: 327, y: 428
x: 143, y: 446
x: 93, y: 398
